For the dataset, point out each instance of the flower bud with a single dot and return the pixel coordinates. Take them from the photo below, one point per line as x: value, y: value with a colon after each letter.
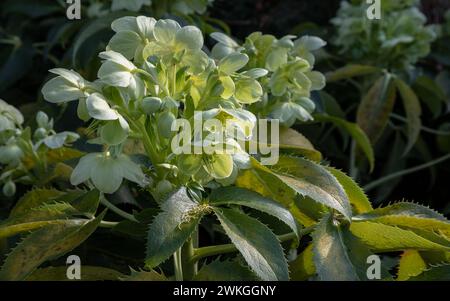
x: 164, y: 187
x: 165, y: 121
x: 9, y: 189
x: 40, y: 133
x: 151, y: 105
x: 42, y: 119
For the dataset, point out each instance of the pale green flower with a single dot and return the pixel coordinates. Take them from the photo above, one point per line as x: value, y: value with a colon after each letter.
x: 107, y: 172
x: 116, y: 128
x: 224, y: 47
x: 10, y: 117
x: 117, y: 71
x: 11, y: 154
x: 132, y: 35
x: 67, y: 86
x: 304, y: 47
x: 58, y: 140
x: 176, y: 44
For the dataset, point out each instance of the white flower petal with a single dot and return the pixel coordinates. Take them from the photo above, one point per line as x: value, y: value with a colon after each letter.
x: 107, y: 174
x: 82, y: 171
x: 98, y: 108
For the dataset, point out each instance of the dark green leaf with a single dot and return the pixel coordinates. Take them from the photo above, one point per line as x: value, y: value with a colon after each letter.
x: 245, y: 197
x: 45, y: 244
x: 376, y: 107
x: 88, y: 273
x: 315, y: 181
x: 225, y: 271
x: 437, y: 273
x: 339, y: 255
x: 257, y: 244
x: 179, y: 217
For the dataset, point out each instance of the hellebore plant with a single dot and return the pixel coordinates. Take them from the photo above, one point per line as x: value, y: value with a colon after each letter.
x: 25, y: 155
x: 286, y: 68
x: 155, y: 73
x: 384, y: 54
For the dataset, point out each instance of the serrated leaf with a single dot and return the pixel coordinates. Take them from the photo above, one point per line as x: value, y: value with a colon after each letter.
x: 42, y: 207
x: 54, y: 156
x: 358, y: 199
x: 376, y: 107
x: 263, y: 181
x: 413, y: 111
x: 339, y: 255
x: 88, y: 273
x: 409, y: 216
x: 385, y: 238
x: 144, y: 276
x: 45, y: 244
x: 257, y: 243
x: 34, y: 198
x: 247, y: 198
x: 49, y: 214
x: 312, y: 180
x: 411, y: 264
x: 360, y: 137
x: 138, y: 229
x: 307, y: 179
x: 403, y: 208
x: 172, y: 227
x: 437, y: 273
x: 225, y: 271
x: 303, y: 266
x: 350, y: 71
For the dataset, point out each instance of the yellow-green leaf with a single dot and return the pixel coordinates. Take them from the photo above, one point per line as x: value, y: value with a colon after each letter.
x: 350, y: 71
x: 411, y: 264
x: 46, y: 243
x: 385, y: 238
x: 358, y: 199
x: 88, y: 273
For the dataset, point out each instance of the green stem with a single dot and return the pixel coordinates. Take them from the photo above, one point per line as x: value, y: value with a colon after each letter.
x: 116, y: 210
x: 152, y: 153
x: 352, y: 168
x: 177, y: 265
x: 230, y: 248
x: 394, y: 175
x: 423, y: 128
x: 187, y: 252
x: 106, y: 224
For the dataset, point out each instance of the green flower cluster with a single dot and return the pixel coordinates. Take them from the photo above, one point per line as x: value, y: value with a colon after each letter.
x: 19, y: 146
x: 154, y: 72
x: 289, y: 78
x: 396, y: 41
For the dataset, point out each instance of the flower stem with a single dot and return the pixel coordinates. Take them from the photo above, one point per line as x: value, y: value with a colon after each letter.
x: 177, y: 265
x: 189, y: 267
x: 394, y: 175
x: 117, y: 210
